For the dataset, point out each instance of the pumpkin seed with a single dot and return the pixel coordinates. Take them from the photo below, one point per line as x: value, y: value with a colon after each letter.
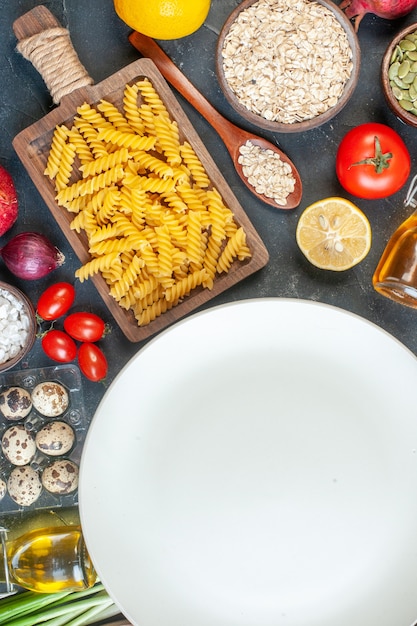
x: 407, y: 44
x: 400, y: 83
x: 397, y: 92
x: 412, y: 55
x: 406, y: 105
x: 404, y: 68
x: 413, y: 93
x: 397, y: 54
x: 408, y: 78
x: 393, y: 70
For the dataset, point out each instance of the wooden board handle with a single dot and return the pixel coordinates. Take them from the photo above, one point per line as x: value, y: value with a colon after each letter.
x: 47, y: 45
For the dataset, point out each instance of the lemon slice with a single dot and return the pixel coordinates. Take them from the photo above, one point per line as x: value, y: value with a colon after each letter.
x: 334, y: 234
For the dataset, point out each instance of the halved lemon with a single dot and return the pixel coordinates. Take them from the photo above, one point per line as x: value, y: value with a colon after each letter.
x: 334, y: 234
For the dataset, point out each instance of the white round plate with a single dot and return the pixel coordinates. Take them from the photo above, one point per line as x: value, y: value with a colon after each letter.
x: 256, y: 465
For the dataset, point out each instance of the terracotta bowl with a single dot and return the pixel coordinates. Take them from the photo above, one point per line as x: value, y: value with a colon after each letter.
x: 394, y: 104
x: 27, y: 309
x: 279, y: 127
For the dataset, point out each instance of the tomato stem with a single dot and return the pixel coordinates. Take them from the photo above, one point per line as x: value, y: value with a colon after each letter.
x: 40, y: 321
x: 380, y: 160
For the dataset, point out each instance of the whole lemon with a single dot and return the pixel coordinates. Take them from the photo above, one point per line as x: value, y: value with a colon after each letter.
x: 163, y: 19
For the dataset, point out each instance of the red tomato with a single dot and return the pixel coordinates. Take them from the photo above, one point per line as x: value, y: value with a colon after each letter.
x: 84, y: 326
x: 55, y: 301
x: 372, y: 161
x: 92, y: 362
x: 59, y: 346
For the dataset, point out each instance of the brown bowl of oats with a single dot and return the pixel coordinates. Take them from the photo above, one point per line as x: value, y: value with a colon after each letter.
x: 288, y: 65
x: 399, y: 75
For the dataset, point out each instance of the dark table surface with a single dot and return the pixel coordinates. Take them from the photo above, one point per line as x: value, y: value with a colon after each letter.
x: 101, y: 40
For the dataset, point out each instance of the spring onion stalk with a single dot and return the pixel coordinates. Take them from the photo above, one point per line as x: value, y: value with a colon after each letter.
x: 69, y: 610
x: 107, y: 613
x: 25, y: 603
x: 29, y: 601
x: 52, y: 613
x: 82, y: 593
x: 61, y: 619
x: 77, y: 608
x: 93, y: 612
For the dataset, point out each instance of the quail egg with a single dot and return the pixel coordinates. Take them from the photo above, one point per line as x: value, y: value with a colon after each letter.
x: 24, y: 485
x: 61, y: 477
x: 18, y: 445
x: 50, y: 399
x: 55, y: 438
x: 15, y: 403
x: 3, y: 488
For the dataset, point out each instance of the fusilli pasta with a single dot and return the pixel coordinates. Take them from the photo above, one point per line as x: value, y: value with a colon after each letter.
x: 156, y: 227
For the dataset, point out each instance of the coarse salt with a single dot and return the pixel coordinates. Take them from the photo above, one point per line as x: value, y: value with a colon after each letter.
x: 14, y: 326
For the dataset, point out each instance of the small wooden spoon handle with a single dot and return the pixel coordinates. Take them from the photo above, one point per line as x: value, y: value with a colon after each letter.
x: 149, y: 48
x: 47, y: 45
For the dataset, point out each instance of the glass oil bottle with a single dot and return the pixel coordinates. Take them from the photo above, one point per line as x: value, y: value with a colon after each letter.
x: 396, y: 274
x: 46, y: 559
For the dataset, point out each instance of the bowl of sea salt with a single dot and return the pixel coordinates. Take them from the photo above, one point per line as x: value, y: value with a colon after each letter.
x: 18, y: 326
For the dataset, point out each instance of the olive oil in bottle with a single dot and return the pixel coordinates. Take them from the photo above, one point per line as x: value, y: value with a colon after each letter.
x: 396, y: 273
x: 51, y: 559
x: 44, y: 551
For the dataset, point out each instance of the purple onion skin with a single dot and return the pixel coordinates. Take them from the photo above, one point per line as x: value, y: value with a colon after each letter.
x: 31, y: 256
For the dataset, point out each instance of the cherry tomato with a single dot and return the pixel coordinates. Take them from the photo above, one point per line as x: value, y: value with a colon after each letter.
x: 84, y: 326
x: 92, y: 362
x: 55, y: 301
x: 372, y: 161
x: 59, y: 346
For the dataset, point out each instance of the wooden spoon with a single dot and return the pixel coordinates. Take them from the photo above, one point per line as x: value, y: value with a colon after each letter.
x: 232, y: 136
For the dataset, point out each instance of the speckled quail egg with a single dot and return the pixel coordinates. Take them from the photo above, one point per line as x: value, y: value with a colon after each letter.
x: 55, y: 438
x: 3, y: 488
x: 18, y: 445
x: 61, y: 477
x: 50, y: 399
x: 15, y: 403
x: 24, y: 485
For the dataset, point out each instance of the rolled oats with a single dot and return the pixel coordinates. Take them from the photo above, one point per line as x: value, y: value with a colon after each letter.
x: 287, y: 60
x: 266, y: 172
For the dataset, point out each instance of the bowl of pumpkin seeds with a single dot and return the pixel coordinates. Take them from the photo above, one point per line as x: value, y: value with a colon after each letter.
x: 399, y: 75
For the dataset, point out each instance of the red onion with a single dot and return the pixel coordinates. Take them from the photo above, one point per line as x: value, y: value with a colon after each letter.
x: 387, y: 9
x: 31, y: 256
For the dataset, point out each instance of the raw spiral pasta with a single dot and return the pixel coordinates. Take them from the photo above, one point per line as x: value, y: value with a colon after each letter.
x: 105, y: 162
x: 82, y: 149
x: 151, y: 98
x: 235, y: 247
x: 98, y: 264
x: 128, y: 140
x: 59, y: 140
x: 194, y: 164
x: 65, y: 167
x: 114, y: 116
x: 156, y: 227
x: 130, y: 104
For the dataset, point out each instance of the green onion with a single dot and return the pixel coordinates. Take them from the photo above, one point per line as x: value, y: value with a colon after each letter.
x: 25, y: 603
x: 110, y: 611
x: 93, y: 612
x: 78, y: 608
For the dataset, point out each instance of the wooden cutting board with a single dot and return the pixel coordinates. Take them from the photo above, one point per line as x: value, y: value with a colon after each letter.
x: 33, y: 144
